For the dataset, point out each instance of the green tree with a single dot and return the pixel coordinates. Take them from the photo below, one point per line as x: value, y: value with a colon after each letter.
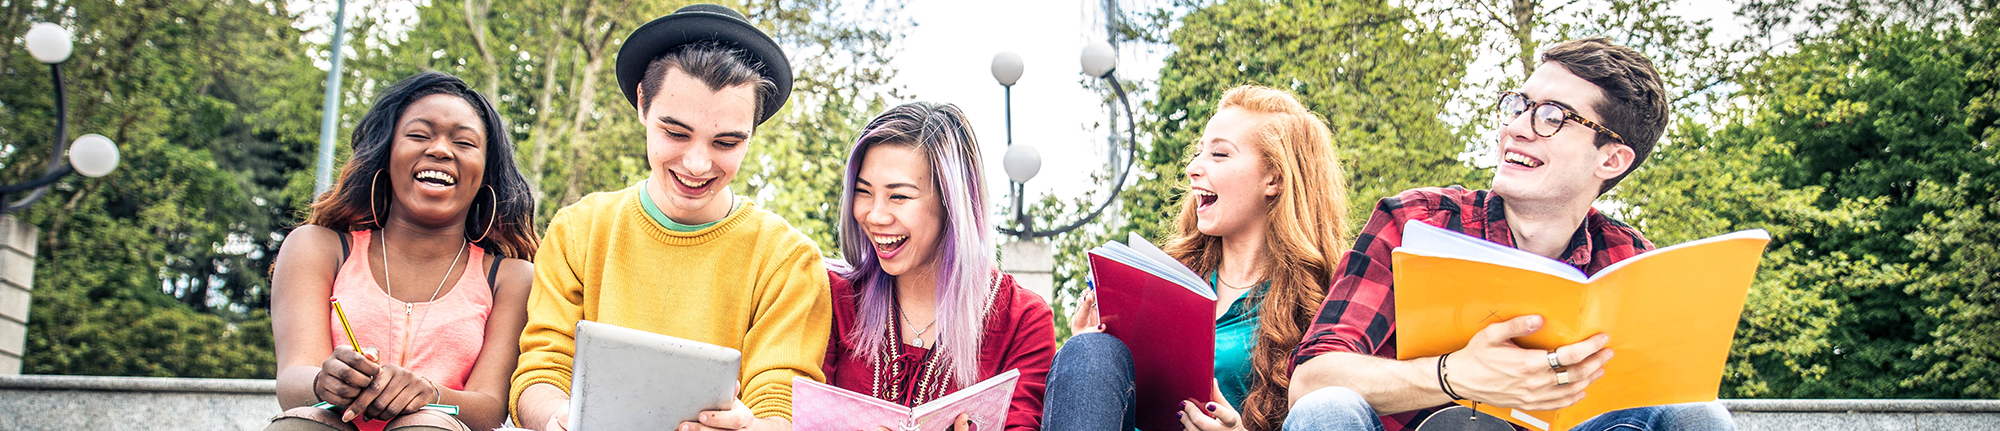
x: 554, y: 85
x: 159, y: 269
x: 1718, y: 169
x: 1382, y: 76
x: 843, y: 80
x: 1867, y: 153
x: 1901, y: 114
x: 1705, y: 178
x: 1702, y: 183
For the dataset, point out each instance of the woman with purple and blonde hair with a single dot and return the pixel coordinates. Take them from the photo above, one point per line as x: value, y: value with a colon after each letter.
x: 919, y: 309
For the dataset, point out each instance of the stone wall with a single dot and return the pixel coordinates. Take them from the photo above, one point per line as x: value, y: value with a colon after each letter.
x: 17, y: 277
x: 36, y: 403
x: 1829, y: 415
x: 1033, y: 265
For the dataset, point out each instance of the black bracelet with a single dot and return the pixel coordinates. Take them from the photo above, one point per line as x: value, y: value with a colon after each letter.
x: 1446, y: 384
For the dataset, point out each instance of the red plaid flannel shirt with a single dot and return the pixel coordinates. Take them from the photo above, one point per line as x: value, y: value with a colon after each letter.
x: 1360, y: 311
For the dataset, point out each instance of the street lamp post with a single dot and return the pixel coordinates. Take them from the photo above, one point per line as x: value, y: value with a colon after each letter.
x: 330, y: 110
x: 1030, y: 260
x: 92, y: 155
x: 1022, y: 162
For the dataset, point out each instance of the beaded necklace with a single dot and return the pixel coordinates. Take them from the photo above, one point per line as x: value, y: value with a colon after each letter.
x: 927, y: 387
x: 925, y: 390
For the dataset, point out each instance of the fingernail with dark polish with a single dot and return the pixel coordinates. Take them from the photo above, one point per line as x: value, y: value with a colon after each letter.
x: 1211, y: 407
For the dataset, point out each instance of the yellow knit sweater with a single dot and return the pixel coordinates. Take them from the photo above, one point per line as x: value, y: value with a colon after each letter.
x: 750, y: 282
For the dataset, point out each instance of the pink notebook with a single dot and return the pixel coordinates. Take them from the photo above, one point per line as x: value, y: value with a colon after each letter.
x: 818, y: 406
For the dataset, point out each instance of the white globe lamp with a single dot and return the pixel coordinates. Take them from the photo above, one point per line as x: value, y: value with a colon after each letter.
x: 48, y: 43
x: 1099, y: 59
x: 1007, y: 68
x: 93, y: 155
x: 1022, y: 162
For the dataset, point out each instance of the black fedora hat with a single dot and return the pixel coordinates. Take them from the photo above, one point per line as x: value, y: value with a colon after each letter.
x: 699, y: 23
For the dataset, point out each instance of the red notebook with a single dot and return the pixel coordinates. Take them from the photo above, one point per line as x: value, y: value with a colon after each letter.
x: 1165, y: 314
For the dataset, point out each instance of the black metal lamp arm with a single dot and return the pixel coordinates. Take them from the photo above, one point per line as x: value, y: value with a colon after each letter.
x: 57, y: 167
x: 1131, y: 151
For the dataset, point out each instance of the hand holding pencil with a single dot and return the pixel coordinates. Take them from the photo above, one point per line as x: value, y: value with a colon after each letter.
x: 345, y: 374
x: 364, y: 388
x: 348, y: 329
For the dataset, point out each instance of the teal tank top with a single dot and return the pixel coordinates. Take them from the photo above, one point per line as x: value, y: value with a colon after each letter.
x: 1235, y: 335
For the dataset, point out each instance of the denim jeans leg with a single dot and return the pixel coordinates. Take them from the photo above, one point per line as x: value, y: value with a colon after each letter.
x: 1707, y: 416
x: 1090, y: 386
x: 1332, y: 409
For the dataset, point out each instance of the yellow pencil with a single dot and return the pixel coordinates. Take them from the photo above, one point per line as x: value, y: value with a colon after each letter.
x: 347, y: 329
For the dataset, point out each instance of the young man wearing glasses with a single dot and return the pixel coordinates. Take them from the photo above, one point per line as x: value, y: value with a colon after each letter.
x: 1587, y: 117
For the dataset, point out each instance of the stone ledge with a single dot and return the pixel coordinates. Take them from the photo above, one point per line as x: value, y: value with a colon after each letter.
x: 1861, y: 406
x: 140, y: 384
x: 52, y: 403
x: 46, y: 402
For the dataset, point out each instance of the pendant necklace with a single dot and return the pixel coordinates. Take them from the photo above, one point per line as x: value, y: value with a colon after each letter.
x: 410, y: 308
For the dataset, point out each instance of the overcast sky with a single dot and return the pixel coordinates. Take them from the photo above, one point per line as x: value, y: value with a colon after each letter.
x: 947, y: 57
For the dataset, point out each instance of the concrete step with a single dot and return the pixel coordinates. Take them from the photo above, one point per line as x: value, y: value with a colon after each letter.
x: 37, y: 402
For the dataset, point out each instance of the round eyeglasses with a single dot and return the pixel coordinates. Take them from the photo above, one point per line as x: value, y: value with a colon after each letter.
x: 1549, y: 116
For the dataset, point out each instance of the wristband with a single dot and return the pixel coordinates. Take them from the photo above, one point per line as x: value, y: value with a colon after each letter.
x: 1442, y: 382
x: 435, y: 389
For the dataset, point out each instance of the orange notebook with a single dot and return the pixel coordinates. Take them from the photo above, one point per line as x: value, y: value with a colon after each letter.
x: 1165, y: 314
x: 1671, y: 312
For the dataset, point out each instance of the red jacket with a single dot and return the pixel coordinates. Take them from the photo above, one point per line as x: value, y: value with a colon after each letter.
x: 1020, y: 334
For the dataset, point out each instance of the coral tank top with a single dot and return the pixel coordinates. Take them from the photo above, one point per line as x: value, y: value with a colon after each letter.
x: 439, y: 340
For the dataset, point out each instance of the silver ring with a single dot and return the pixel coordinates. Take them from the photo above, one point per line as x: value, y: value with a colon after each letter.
x: 1562, y: 378
x: 1555, y: 363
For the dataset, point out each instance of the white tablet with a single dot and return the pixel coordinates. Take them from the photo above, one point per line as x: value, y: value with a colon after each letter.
x: 627, y: 379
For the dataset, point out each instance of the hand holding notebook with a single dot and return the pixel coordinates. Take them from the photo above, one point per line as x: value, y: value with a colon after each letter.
x: 820, y: 406
x: 1165, y: 314
x: 631, y: 379
x: 1669, y: 314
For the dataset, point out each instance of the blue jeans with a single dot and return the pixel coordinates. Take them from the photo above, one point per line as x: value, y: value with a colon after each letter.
x: 1090, y: 386
x: 1339, y: 408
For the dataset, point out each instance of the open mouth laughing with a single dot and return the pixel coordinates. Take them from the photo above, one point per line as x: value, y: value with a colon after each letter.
x: 1204, y: 198
x: 691, y: 186
x: 436, y: 178
x: 886, y: 246
x: 1522, y: 160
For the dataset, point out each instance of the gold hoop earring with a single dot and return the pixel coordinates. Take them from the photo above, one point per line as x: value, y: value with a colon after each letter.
x: 493, y: 214
x: 373, y: 216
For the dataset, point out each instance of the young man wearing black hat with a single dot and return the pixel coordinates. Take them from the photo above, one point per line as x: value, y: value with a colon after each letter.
x: 677, y: 253
x: 1585, y: 119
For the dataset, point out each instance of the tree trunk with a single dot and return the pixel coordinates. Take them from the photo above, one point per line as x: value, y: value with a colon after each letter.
x: 592, y: 47
x: 577, y: 143
x: 552, y: 60
x: 1524, y: 35
x: 475, y: 22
